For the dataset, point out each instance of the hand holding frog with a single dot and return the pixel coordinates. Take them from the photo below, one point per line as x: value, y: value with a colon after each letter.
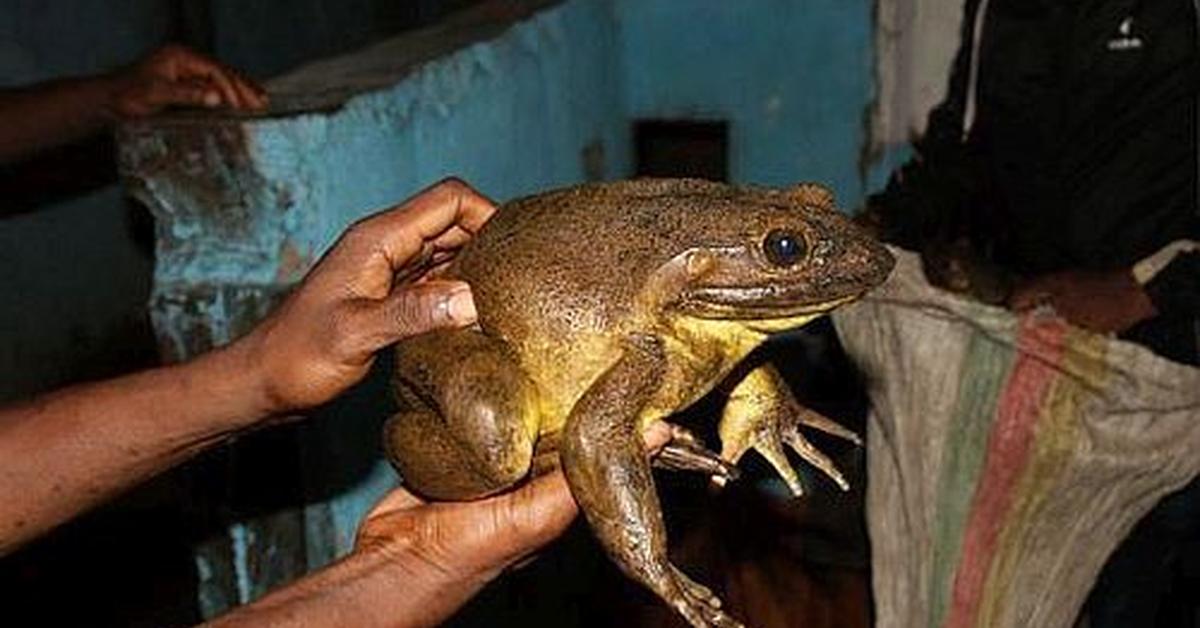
x: 323, y: 338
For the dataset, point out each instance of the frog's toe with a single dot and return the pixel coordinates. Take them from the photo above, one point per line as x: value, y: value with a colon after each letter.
x: 818, y: 421
x: 813, y: 456
x: 696, y: 589
x: 685, y: 452
x: 704, y: 616
x: 770, y: 447
x: 697, y: 604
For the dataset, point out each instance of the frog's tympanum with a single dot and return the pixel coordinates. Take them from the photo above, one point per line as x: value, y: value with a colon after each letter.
x: 605, y: 307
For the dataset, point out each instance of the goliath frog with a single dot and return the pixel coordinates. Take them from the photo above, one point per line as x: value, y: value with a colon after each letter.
x: 605, y: 307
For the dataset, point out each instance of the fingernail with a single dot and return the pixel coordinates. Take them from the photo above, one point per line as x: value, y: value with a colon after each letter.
x: 460, y: 306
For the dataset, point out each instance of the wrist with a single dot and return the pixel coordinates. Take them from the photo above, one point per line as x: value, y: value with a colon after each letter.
x: 427, y: 577
x: 106, y: 90
x: 237, y: 370
x: 361, y: 590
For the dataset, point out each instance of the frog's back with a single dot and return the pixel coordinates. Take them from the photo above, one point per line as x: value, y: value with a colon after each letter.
x: 569, y: 263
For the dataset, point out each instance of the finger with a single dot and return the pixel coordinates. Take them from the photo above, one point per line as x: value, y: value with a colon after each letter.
x: 449, y: 202
x: 400, y: 232
x: 253, y: 94
x: 184, y: 65
x: 435, y: 270
x: 395, y: 501
x: 237, y: 91
x: 453, y: 238
x: 230, y: 96
x: 161, y: 93
x: 414, y: 309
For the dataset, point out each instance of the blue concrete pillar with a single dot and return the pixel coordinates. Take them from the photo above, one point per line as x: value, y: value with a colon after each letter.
x: 514, y: 101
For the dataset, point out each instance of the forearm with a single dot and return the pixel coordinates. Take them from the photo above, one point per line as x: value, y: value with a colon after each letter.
x: 69, y: 451
x: 417, y: 563
x: 53, y: 113
x: 368, y: 589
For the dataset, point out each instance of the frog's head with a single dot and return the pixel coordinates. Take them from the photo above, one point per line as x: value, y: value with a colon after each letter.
x: 773, y: 259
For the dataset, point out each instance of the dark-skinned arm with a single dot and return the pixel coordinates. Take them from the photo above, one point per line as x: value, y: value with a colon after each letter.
x: 415, y: 564
x: 69, y: 451
x: 1115, y: 301
x: 60, y: 112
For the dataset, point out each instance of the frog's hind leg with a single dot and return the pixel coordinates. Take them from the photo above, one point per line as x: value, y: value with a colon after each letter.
x: 469, y: 419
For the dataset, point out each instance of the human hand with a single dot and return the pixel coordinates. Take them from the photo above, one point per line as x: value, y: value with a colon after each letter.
x: 480, y: 537
x: 177, y: 76
x: 323, y: 338
x: 1104, y: 302
x: 415, y: 563
x: 454, y: 548
x: 474, y: 541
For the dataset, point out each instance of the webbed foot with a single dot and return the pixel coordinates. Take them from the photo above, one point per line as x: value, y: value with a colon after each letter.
x: 762, y: 415
x: 696, y: 602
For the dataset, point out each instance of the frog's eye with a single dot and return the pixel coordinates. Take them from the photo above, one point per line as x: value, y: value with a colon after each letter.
x: 784, y: 248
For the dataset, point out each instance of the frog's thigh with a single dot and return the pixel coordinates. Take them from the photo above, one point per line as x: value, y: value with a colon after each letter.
x: 471, y: 418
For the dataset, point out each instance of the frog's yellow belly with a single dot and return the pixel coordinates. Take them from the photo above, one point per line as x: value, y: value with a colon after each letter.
x: 562, y: 377
x: 699, y: 354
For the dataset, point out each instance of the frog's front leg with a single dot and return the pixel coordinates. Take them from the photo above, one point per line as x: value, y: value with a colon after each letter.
x: 763, y: 415
x: 608, y: 470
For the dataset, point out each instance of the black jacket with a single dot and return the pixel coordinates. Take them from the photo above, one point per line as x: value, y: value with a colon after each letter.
x: 1069, y: 144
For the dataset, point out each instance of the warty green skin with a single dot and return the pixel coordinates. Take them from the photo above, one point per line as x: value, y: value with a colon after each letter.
x: 603, y: 307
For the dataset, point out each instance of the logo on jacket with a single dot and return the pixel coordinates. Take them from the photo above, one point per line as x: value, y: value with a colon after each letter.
x: 1126, y: 39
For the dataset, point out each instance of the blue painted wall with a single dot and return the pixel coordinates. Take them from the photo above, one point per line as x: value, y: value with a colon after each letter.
x: 793, y: 78
x: 255, y: 203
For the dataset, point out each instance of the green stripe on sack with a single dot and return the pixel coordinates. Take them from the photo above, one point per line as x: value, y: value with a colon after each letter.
x: 988, y: 362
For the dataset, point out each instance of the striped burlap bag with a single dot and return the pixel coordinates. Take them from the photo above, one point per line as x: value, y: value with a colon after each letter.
x: 1006, y: 456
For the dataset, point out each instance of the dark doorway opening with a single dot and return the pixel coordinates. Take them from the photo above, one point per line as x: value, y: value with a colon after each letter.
x: 682, y: 148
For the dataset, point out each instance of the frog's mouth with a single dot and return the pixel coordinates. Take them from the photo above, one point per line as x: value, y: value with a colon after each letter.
x: 753, y: 303
x: 739, y: 291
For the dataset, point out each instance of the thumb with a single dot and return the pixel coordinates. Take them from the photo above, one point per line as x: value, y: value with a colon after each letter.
x: 419, y: 308
x: 523, y: 520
